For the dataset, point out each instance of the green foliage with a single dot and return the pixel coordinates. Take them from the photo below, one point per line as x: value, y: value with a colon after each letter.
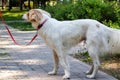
x: 83, y: 57
x: 112, y: 24
x: 93, y: 9
x: 106, y: 12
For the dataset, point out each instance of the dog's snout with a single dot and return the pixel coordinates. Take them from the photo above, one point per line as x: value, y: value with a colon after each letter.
x: 24, y: 16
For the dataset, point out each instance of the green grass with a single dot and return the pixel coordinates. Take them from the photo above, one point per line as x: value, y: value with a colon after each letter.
x: 83, y: 57
x: 23, y: 26
x: 3, y: 54
x: 13, y: 15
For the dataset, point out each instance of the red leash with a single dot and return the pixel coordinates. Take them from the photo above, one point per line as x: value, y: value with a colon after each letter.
x: 3, y: 22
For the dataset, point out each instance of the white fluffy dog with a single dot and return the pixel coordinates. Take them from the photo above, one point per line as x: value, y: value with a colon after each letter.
x: 60, y: 36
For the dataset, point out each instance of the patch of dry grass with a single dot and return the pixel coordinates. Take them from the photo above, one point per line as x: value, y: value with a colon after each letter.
x: 109, y: 63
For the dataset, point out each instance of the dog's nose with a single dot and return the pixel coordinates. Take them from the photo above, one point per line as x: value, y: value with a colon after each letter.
x: 24, y: 16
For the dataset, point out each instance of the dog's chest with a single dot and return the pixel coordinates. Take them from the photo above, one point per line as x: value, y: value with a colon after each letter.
x: 48, y: 40
x: 51, y: 39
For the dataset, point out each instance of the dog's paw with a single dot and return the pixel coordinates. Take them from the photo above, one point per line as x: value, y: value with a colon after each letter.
x: 52, y: 73
x: 66, y: 77
x: 90, y: 76
x: 88, y: 72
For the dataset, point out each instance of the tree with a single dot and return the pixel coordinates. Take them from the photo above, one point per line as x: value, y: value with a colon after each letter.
x: 43, y: 3
x: 4, y: 4
x: 21, y: 3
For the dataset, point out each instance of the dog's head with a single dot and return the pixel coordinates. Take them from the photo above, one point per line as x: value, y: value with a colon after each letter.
x: 35, y: 15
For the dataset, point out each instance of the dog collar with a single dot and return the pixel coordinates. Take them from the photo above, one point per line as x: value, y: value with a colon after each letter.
x: 40, y: 25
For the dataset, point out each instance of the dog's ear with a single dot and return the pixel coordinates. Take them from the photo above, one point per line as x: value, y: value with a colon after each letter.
x: 34, y: 15
x: 44, y: 12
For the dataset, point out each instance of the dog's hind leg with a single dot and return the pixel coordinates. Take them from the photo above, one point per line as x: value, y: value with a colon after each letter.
x: 90, y: 70
x: 56, y: 62
x: 93, y: 52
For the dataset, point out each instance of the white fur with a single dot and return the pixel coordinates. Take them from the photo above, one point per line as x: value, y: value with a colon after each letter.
x: 60, y: 36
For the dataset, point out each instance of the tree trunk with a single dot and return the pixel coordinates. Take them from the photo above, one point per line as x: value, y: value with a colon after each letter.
x: 2, y: 4
x: 21, y: 1
x: 29, y: 4
x: 10, y: 5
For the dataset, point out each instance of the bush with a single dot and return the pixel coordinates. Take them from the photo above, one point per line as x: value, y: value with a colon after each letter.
x: 93, y: 9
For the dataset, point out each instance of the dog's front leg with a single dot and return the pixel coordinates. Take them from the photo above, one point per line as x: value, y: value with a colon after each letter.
x: 56, y: 62
x: 64, y: 64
